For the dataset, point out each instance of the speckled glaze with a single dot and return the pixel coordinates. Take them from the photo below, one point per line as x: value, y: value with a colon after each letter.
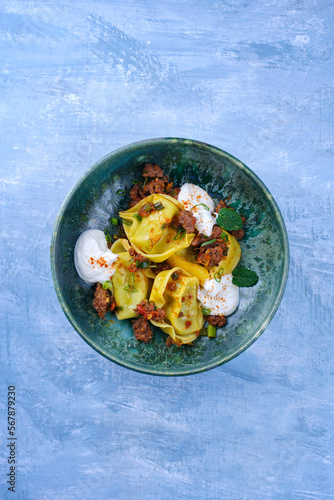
x: 264, y: 249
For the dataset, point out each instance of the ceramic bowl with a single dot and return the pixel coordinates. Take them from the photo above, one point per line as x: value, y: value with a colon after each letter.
x: 94, y: 200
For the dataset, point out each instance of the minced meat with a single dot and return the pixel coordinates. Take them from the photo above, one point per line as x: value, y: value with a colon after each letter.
x: 212, y: 256
x: 238, y: 234
x: 156, y: 186
x: 149, y: 311
x: 221, y: 204
x: 216, y: 320
x: 103, y: 301
x: 187, y: 220
x: 136, y: 194
x: 171, y: 286
x: 152, y: 171
x: 146, y: 209
x: 161, y: 266
x: 142, y: 330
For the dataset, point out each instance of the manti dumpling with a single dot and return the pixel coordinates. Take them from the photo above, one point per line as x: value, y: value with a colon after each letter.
x: 175, y: 291
x: 129, y: 289
x: 186, y: 257
x: 151, y: 236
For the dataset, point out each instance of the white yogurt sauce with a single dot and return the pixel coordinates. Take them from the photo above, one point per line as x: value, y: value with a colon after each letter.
x: 191, y: 196
x: 93, y: 260
x: 220, y: 298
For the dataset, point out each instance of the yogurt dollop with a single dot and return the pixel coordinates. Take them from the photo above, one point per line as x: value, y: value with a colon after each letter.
x: 93, y: 260
x: 220, y: 298
x: 194, y: 198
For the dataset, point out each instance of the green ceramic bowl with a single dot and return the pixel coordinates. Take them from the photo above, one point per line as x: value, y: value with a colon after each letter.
x: 265, y: 249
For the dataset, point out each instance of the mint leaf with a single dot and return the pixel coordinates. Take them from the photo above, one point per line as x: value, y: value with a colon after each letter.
x: 229, y: 220
x: 244, y: 277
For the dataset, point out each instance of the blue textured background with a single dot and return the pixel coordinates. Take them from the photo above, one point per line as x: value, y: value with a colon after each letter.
x: 82, y: 78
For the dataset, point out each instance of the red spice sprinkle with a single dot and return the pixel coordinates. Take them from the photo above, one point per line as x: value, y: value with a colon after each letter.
x: 187, y: 324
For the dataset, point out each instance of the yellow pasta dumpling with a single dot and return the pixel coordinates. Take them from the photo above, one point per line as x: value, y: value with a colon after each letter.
x: 186, y: 259
x: 152, y: 236
x: 175, y: 291
x: 129, y: 288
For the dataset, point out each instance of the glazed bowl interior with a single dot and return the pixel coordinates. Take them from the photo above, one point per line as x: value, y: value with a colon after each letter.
x: 264, y: 249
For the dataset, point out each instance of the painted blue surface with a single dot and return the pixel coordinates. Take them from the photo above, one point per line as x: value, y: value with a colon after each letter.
x: 79, y: 79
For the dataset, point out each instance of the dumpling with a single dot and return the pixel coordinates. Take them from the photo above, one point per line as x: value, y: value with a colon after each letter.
x: 129, y: 289
x: 185, y: 259
x: 151, y: 236
x: 175, y: 291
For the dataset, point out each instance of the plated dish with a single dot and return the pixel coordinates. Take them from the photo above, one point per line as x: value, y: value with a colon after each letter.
x: 169, y: 260
x: 95, y: 199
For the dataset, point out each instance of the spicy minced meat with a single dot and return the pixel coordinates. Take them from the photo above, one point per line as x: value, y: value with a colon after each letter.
x: 137, y: 259
x: 152, y: 171
x: 187, y: 221
x: 142, y: 330
x: 160, y: 266
x: 146, y: 209
x: 212, y: 256
x: 136, y: 194
x: 149, y: 311
x: 156, y: 186
x: 216, y: 320
x: 238, y: 234
x: 171, y: 286
x: 103, y: 301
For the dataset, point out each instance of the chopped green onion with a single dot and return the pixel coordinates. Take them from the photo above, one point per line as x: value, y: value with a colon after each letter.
x: 130, y: 289
x: 120, y: 192
x: 127, y: 222
x: 212, y: 332
x: 198, y: 204
x: 135, y: 181
x: 130, y: 286
x: 107, y: 285
x: 206, y: 312
x: 204, y: 332
x: 180, y: 233
x: 147, y: 207
x: 145, y: 182
x: 153, y: 265
x: 149, y: 245
x: 138, y: 217
x: 108, y: 238
x: 224, y: 237
x: 164, y: 226
x: 106, y: 231
x: 158, y: 206
x: 208, y: 242
x: 143, y: 265
x: 217, y: 277
x: 114, y: 221
x: 175, y: 276
x: 119, y: 308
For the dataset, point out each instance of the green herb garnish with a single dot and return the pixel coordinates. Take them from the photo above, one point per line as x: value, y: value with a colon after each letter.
x: 208, y: 242
x: 107, y: 285
x: 119, y: 308
x: 206, y: 312
x: 120, y: 192
x: 138, y: 217
x: 180, y: 233
x: 175, y: 276
x: 224, y: 237
x: 135, y: 181
x: 244, y: 277
x: 108, y: 238
x: 205, y: 206
x: 204, y: 332
x: 131, y: 282
x: 127, y: 222
x: 143, y: 265
x: 212, y: 332
x: 158, y: 205
x: 114, y: 221
x: 217, y: 277
x: 229, y: 220
x: 164, y: 226
x: 149, y: 245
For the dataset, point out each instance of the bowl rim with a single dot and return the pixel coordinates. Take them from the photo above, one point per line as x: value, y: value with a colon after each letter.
x: 129, y: 364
